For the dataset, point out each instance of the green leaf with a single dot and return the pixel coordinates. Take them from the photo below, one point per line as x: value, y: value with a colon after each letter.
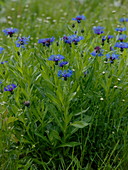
x: 79, y: 124
x: 70, y: 144
x: 11, y: 120
x: 83, y: 111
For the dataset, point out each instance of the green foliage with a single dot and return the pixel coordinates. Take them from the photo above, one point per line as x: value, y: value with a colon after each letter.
x: 47, y: 122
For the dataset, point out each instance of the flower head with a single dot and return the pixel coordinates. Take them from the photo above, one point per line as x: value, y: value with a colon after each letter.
x: 46, y: 41
x: 10, y: 31
x: 121, y: 45
x: 79, y: 18
x: 1, y: 49
x: 72, y: 39
x: 56, y: 58
x: 109, y: 37
x: 10, y: 87
x: 3, y: 62
x: 98, y: 30
x: 106, y: 37
x: 65, y: 73
x: 97, y: 52
x: 123, y: 20
x: 112, y: 57
x: 63, y: 63
x: 120, y: 29
x: 121, y: 37
x: 22, y: 41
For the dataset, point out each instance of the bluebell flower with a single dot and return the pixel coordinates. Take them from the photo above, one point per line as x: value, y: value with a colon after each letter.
x: 10, y: 88
x: 123, y: 20
x: 1, y: 49
x: 56, y: 58
x: 97, y: 52
x: 22, y: 41
x: 63, y: 63
x: 72, y: 39
x: 46, y: 41
x: 121, y: 37
x: 98, y: 30
x: 79, y: 18
x: 65, y: 74
x: 10, y: 31
x: 121, y: 45
x: 0, y: 82
x: 120, y: 29
x: 3, y: 62
x: 112, y: 57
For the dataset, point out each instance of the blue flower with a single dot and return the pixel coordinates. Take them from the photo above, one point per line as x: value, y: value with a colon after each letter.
x: 1, y: 49
x: 121, y: 37
x: 63, y: 63
x: 10, y: 31
x: 72, y: 39
x: 56, y: 58
x: 46, y: 41
x: 103, y: 38
x: 112, y: 57
x: 98, y: 30
x: 106, y: 37
x: 22, y: 41
x: 97, y: 52
x: 120, y: 29
x: 3, y: 62
x: 65, y: 73
x: 121, y: 45
x: 10, y: 87
x: 79, y: 18
x: 123, y: 20
x: 109, y: 37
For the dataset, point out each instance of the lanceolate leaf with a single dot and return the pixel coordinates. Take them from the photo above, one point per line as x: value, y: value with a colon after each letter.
x: 80, y: 124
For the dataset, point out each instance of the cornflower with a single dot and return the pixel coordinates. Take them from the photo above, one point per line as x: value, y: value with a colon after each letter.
x: 79, y: 18
x: 46, y: 41
x: 65, y: 74
x: 10, y: 31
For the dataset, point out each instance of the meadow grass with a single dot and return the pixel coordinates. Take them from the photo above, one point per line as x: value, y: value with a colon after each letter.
x: 50, y: 122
